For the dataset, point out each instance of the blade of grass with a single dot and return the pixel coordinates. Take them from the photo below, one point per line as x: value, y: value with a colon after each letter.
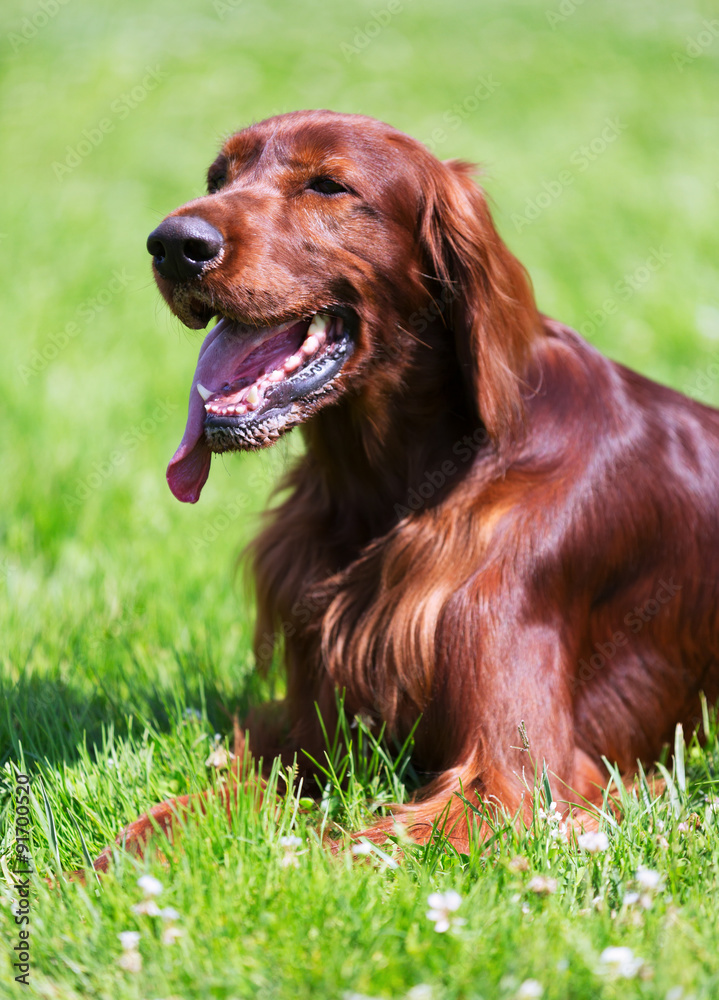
x: 85, y: 852
x: 679, y: 758
x: 51, y: 830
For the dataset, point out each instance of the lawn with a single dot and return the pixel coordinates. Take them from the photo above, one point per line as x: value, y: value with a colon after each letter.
x: 125, y: 631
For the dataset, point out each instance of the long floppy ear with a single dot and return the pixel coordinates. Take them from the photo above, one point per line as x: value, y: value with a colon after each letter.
x: 488, y: 295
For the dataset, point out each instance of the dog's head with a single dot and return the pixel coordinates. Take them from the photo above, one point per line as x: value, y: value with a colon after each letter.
x: 326, y: 246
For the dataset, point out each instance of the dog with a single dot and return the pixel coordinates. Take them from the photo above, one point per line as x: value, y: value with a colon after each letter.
x: 492, y: 525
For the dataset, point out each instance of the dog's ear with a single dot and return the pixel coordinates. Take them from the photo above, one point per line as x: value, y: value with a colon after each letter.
x: 487, y: 294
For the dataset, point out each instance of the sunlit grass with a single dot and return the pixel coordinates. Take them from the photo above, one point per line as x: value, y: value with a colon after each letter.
x: 126, y: 633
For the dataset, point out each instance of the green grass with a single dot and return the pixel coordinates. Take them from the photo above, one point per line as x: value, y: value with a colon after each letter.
x: 120, y: 608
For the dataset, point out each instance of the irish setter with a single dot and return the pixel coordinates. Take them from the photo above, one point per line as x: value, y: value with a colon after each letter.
x: 491, y: 523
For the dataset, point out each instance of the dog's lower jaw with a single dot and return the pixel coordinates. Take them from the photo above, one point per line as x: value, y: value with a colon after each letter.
x: 223, y: 434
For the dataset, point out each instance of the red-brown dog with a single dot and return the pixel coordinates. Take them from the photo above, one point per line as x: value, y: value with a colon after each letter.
x: 491, y: 521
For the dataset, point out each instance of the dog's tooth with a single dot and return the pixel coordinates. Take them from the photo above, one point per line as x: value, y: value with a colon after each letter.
x: 321, y: 323
x: 310, y: 346
x: 276, y: 376
x: 316, y: 325
x: 252, y: 396
x: 240, y: 409
x: 292, y: 362
x: 205, y: 393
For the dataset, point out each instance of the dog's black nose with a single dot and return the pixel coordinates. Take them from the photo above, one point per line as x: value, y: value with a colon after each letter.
x: 183, y: 245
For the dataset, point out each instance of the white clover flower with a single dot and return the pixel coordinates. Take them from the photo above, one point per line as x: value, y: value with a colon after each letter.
x: 620, y: 962
x: 594, y: 842
x: 169, y: 913
x: 531, y: 989
x: 692, y: 824
x: 422, y: 991
x: 364, y: 847
x: 219, y: 758
x: 129, y: 940
x: 630, y: 898
x: 130, y: 961
x: 647, y: 878
x: 441, y: 907
x: 171, y: 934
x: 552, y: 813
x: 542, y: 885
x: 150, y: 885
x: 289, y: 847
x: 147, y: 908
x: 552, y: 816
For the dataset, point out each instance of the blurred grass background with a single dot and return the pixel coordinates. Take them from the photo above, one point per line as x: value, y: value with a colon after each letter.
x: 597, y: 126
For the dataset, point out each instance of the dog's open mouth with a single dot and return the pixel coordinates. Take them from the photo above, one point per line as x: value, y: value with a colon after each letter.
x: 253, y: 384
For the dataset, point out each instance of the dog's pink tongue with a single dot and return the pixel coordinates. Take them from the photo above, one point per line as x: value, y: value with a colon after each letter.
x: 190, y: 465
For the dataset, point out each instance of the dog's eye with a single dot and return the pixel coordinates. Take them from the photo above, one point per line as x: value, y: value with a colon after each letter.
x: 217, y: 175
x: 216, y: 181
x: 325, y: 185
